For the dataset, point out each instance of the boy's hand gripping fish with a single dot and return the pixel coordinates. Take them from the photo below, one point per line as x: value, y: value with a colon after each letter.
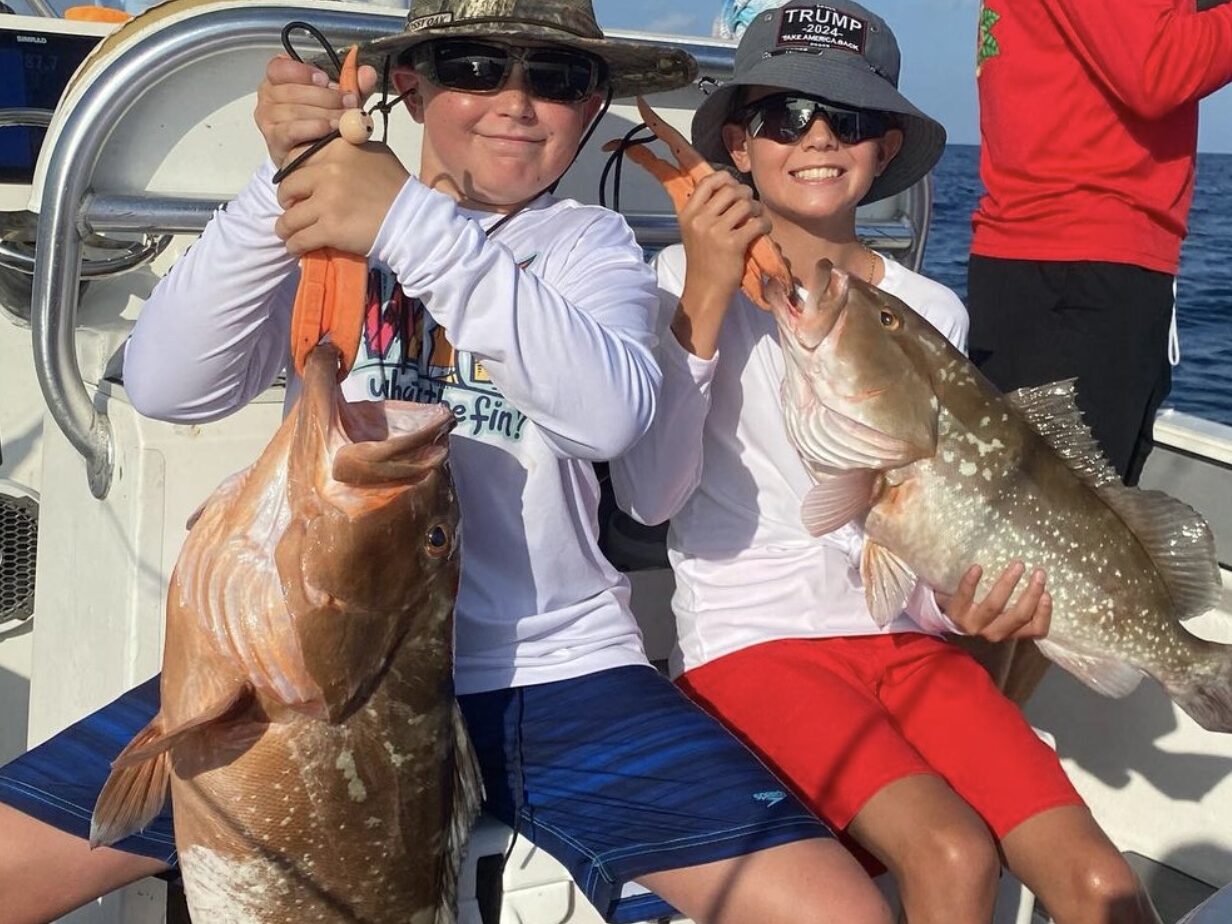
x: 901, y: 431
x: 764, y: 259
x: 308, y: 733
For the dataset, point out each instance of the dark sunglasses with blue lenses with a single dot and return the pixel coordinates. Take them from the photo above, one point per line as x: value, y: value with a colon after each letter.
x: 560, y: 75
x: 786, y: 118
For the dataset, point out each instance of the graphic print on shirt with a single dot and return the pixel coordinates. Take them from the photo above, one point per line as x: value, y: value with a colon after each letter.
x: 987, y: 45
x: 405, y: 355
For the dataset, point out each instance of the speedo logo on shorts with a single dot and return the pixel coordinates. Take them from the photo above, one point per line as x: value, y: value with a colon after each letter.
x: 771, y: 798
x: 820, y: 27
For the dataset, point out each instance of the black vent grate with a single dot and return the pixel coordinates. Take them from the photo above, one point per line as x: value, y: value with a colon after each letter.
x: 18, y: 554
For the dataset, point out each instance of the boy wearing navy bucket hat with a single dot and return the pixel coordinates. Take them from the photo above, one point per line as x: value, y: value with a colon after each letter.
x: 895, y: 737
x: 485, y: 291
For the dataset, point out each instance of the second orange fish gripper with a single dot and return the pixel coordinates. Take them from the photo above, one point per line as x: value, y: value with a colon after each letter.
x: 764, y: 259
x: 333, y: 285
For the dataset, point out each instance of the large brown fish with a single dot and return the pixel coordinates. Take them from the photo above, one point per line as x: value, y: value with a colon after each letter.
x: 900, y: 430
x: 317, y: 763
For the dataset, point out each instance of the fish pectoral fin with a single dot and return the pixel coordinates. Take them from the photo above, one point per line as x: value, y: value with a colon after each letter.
x: 888, y: 582
x: 144, y: 748
x: 135, y: 791
x: 1102, y: 674
x: 837, y: 499
x: 467, y: 798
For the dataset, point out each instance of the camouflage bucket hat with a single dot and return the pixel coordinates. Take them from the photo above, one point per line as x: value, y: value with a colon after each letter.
x: 632, y: 69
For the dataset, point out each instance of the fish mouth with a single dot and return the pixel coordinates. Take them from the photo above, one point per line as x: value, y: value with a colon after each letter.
x: 820, y: 315
x: 367, y: 443
x: 412, y: 443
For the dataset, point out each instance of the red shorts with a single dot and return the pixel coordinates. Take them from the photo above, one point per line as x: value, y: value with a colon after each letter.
x: 838, y: 719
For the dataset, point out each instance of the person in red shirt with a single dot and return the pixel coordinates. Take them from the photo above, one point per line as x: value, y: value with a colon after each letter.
x: 1089, y: 131
x: 1089, y: 126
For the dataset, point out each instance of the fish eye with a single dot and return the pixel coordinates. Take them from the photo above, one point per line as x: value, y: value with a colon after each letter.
x: 437, y: 542
x: 889, y: 319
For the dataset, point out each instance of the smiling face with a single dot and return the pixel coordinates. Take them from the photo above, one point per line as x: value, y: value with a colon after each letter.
x: 816, y: 177
x: 496, y: 150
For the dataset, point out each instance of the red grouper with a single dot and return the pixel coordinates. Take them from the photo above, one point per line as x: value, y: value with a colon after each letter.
x: 315, y: 754
x: 317, y: 763
x: 901, y: 431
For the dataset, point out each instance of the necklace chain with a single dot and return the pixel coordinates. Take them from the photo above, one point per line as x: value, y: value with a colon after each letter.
x: 872, y: 264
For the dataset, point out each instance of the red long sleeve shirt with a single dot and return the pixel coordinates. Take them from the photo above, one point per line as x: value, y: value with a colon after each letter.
x: 1089, y: 126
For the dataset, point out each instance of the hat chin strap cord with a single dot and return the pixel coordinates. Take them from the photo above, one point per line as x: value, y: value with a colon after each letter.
x: 385, y: 104
x: 616, y: 161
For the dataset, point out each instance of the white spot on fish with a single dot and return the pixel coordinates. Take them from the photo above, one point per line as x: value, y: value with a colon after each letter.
x: 238, y: 890
x: 987, y: 475
x: 947, y: 456
x: 983, y: 446
x: 394, y: 757
x: 966, y: 469
x: 372, y: 822
x: 355, y: 786
x: 985, y: 421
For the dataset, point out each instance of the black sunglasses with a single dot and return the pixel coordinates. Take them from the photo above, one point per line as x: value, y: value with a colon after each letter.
x: 786, y: 118
x: 560, y: 75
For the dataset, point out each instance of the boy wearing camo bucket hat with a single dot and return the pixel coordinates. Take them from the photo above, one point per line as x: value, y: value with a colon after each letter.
x: 531, y: 317
x: 895, y: 737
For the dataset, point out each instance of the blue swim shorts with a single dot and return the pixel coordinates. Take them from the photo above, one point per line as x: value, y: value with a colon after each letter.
x: 58, y: 782
x: 616, y: 774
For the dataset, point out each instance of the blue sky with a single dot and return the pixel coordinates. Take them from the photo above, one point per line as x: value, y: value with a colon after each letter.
x: 937, y: 38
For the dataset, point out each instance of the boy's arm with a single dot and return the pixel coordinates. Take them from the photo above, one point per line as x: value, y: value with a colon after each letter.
x: 214, y: 332
x: 1152, y: 56
x: 574, y: 354
x: 659, y: 473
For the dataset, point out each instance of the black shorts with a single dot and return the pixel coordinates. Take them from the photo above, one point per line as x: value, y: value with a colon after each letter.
x: 1106, y: 324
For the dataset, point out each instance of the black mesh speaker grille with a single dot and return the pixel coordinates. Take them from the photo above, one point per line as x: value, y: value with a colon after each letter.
x: 18, y: 554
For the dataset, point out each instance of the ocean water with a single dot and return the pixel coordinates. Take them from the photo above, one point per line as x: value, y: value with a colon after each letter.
x: 1202, y: 383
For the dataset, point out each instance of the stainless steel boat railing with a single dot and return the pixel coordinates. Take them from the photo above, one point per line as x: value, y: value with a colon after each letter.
x: 70, y: 209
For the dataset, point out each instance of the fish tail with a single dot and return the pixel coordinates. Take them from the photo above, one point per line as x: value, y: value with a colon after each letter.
x: 135, y: 792
x: 1205, y: 692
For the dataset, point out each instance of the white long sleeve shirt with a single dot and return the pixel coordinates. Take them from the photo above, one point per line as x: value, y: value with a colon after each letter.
x: 717, y: 462
x: 548, y: 365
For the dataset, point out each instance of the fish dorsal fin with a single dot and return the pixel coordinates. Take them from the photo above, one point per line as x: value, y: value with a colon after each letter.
x: 1099, y: 672
x: 837, y: 499
x: 1178, y: 541
x: 467, y: 798
x: 1052, y: 413
x: 135, y: 792
x: 888, y: 582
